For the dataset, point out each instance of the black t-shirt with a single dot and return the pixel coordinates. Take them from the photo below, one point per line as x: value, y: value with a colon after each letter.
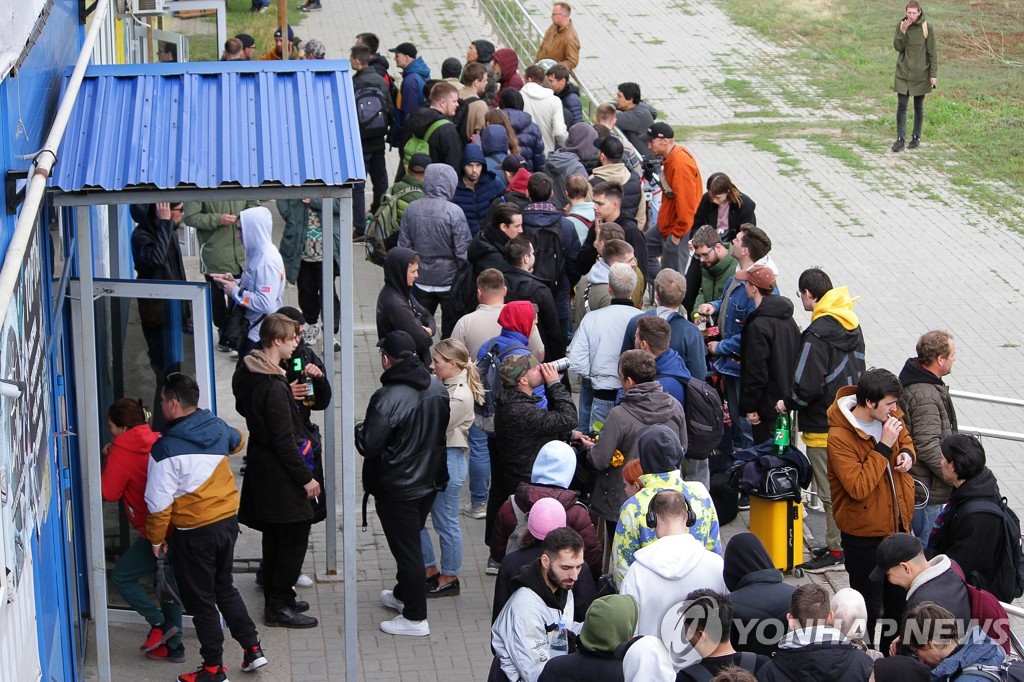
x: 715, y: 664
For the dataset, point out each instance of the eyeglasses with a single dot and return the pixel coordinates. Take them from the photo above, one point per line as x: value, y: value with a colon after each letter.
x: 703, y: 256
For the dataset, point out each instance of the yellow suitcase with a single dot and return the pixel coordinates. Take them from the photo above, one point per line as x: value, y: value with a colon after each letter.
x: 779, y: 525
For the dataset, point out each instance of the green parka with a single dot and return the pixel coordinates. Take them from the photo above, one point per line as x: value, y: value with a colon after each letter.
x: 220, y: 246
x: 712, y: 281
x: 296, y: 218
x: 918, y: 59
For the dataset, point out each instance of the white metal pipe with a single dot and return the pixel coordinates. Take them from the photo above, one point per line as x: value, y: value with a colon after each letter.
x: 985, y: 398
x: 991, y: 433
x: 40, y: 169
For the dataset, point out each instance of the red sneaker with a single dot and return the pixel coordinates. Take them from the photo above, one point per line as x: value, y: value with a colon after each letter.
x: 166, y: 653
x: 206, y: 673
x: 157, y: 636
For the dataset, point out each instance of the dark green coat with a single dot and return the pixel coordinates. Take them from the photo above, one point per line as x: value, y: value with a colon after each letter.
x: 918, y: 59
x: 296, y: 217
x: 220, y: 246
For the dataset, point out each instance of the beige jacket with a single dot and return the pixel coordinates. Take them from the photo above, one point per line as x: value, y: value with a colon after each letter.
x: 560, y: 44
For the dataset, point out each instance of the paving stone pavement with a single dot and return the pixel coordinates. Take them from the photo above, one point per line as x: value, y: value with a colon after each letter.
x: 896, y: 237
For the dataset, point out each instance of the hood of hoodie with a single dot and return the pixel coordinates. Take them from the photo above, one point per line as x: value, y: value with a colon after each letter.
x: 838, y: 304
x: 484, y: 51
x: 532, y: 577
x: 555, y: 465
x: 914, y: 373
x: 583, y: 209
x: 559, y: 162
x: 776, y: 306
x: 519, y: 181
x: 528, y: 494
x: 726, y: 263
x: 202, y: 428
x: 540, y: 218
x: 137, y: 440
x: 647, y: 402
x: 672, y: 557
x: 613, y: 172
x: 976, y: 648
x: 420, y: 120
x: 840, y: 413
x: 659, y: 449
x: 396, y: 268
x: 378, y: 60
x: 610, y: 621
x: 983, y: 486
x: 257, y: 226
x: 537, y: 92
x: 439, y: 181
x: 599, y: 272
x: 410, y: 372
x: 745, y: 554
x: 494, y: 140
x: 472, y: 153
x: 517, y: 316
x: 581, y: 141
x: 508, y: 60
x: 258, y: 363
x: 647, y: 659
x: 642, y: 105
x: 671, y: 364
x: 418, y: 67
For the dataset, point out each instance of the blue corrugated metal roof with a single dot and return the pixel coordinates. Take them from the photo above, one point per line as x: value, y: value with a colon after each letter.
x: 211, y: 124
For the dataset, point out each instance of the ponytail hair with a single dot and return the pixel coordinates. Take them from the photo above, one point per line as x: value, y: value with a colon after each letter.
x: 128, y: 413
x: 454, y: 350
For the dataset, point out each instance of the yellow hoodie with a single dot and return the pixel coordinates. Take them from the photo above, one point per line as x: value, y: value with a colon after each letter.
x: 837, y: 303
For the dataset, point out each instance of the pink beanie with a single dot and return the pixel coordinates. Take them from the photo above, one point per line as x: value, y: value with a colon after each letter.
x: 546, y: 514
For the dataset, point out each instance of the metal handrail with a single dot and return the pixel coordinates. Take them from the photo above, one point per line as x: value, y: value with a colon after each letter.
x: 994, y: 400
x: 514, y: 26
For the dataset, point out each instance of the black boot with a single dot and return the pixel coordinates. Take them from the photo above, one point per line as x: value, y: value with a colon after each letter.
x: 915, y: 142
x: 897, y: 146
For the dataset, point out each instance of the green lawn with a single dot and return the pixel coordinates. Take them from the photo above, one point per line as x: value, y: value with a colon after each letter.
x: 260, y: 26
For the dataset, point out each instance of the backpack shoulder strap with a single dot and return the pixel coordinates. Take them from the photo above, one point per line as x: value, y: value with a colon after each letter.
x: 434, y: 126
x: 924, y: 28
x: 520, y: 514
x: 700, y: 673
x: 748, y: 661
x: 983, y: 506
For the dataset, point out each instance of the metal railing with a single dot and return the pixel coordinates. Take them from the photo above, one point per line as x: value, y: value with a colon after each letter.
x: 992, y: 400
x: 514, y: 27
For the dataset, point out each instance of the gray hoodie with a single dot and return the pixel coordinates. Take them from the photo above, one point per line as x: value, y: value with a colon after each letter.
x: 261, y: 288
x: 435, y: 228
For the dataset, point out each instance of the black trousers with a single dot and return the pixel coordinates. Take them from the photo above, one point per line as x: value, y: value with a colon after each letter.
x: 310, y: 284
x: 902, y: 101
x: 284, y: 550
x: 402, y: 523
x: 881, y: 598
x: 219, y: 306
x: 202, y: 559
x: 430, y: 300
x: 377, y: 171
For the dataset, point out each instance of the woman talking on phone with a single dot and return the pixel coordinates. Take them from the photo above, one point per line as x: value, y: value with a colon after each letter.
x: 916, y: 69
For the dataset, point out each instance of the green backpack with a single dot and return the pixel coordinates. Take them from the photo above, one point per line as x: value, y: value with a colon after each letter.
x: 382, y: 232
x: 421, y: 145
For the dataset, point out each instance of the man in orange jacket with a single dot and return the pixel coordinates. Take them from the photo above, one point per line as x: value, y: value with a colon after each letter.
x: 682, y: 190
x: 869, y: 455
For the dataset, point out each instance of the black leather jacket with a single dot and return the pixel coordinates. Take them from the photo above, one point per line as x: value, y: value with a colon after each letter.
x: 402, y: 438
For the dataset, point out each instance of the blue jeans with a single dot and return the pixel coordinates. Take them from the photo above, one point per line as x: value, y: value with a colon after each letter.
x: 599, y: 410
x: 586, y: 397
x: 139, y: 562
x: 479, y: 466
x: 923, y: 521
x: 742, y: 432
x: 445, y: 514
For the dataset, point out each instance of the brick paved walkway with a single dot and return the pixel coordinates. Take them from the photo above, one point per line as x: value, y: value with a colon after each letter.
x: 919, y: 256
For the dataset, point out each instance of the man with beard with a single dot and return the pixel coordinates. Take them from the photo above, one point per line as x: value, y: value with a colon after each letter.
x: 717, y: 264
x: 541, y: 604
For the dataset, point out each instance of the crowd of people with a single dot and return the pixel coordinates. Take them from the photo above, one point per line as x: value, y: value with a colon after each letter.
x: 533, y: 234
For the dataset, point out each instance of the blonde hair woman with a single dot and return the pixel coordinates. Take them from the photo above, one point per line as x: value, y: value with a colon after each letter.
x: 453, y: 366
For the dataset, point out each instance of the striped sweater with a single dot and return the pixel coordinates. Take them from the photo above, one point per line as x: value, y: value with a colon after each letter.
x: 189, y: 482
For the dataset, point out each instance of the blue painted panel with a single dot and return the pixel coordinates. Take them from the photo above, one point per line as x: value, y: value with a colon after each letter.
x: 212, y: 124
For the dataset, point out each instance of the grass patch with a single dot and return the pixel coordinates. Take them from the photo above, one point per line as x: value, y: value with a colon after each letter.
x: 976, y: 116
x: 743, y: 91
x: 204, y: 48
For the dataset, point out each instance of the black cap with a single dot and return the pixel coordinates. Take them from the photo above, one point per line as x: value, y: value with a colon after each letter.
x: 398, y: 345
x: 408, y: 49
x: 512, y: 163
x: 451, y: 68
x: 418, y: 163
x: 658, y: 131
x: 610, y: 146
x: 247, y: 40
x: 893, y: 551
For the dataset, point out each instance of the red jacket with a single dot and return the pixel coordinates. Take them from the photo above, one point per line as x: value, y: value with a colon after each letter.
x: 576, y: 516
x: 124, y: 477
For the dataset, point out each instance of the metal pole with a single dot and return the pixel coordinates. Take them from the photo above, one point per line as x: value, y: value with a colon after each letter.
x: 282, y: 22
x: 330, y: 439
x: 348, y: 438
x: 90, y: 448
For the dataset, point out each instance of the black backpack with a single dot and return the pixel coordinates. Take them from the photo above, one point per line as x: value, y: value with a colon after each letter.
x: 550, y: 253
x: 463, y: 290
x: 705, y: 419
x: 700, y: 672
x: 1012, y: 669
x: 371, y: 111
x: 460, y: 118
x: 1009, y: 584
x: 488, y: 367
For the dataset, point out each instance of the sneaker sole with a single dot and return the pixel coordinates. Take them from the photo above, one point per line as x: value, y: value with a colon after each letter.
x: 490, y: 571
x: 825, y: 569
x: 290, y: 626
x: 163, y: 640
x: 404, y: 633
x: 255, y: 665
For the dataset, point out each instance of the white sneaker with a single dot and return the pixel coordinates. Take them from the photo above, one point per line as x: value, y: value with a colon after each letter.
x: 337, y: 344
x: 400, y: 626
x: 387, y: 598
x: 311, y: 334
x: 304, y: 581
x: 475, y: 511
